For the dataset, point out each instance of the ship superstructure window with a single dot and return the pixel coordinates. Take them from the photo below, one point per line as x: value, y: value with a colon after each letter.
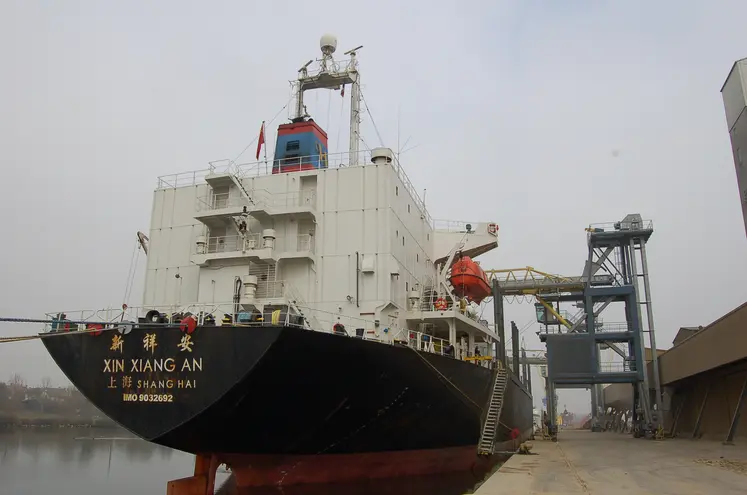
x: 403, y: 240
x: 293, y: 146
x: 408, y: 208
x: 396, y: 190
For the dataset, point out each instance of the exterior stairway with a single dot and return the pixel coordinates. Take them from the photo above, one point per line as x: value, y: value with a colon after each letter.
x: 490, y: 428
x: 295, y: 302
x: 237, y: 181
x: 429, y: 296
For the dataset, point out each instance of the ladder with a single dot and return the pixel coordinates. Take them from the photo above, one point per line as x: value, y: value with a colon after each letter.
x: 490, y: 428
x: 237, y: 182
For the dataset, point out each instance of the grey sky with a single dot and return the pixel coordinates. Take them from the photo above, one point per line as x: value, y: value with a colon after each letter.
x: 541, y: 116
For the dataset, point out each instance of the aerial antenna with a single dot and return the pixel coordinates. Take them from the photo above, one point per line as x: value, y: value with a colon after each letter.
x: 399, y: 115
x: 352, y: 52
x: 332, y: 76
x: 303, y: 72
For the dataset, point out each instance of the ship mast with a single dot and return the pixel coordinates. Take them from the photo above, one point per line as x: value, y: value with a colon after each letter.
x: 332, y: 76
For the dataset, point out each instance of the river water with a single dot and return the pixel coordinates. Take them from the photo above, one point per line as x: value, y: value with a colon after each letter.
x: 98, y: 462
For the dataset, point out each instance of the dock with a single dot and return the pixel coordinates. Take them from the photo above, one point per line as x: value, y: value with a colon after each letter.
x: 584, y: 462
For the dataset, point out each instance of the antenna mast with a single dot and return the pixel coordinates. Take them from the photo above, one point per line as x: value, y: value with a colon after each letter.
x: 332, y: 76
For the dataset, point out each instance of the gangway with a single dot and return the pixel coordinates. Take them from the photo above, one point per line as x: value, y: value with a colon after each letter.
x: 492, y: 420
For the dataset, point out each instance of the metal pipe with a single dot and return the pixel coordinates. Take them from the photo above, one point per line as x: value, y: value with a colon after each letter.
x: 651, y: 335
x: 358, y: 279
x: 499, y: 324
x: 527, y: 371
x: 515, y: 347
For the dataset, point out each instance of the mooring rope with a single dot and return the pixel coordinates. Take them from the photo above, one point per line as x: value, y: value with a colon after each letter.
x: 5, y: 340
x: 106, y: 327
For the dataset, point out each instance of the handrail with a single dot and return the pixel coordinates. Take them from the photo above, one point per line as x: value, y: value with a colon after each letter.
x: 398, y: 336
x: 259, y: 198
x: 261, y: 168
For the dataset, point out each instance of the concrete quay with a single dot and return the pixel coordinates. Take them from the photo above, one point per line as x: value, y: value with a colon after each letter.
x: 582, y: 462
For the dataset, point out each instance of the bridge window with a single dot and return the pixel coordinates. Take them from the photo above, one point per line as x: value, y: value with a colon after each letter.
x: 293, y: 146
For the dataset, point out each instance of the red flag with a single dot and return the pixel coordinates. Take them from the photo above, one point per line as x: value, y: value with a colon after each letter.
x: 261, y: 138
x: 342, y: 93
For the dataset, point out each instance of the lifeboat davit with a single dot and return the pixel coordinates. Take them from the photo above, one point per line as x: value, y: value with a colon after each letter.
x: 469, y: 280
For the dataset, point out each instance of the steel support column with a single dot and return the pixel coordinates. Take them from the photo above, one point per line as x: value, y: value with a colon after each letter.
x: 737, y: 414
x: 696, y: 429
x: 676, y: 419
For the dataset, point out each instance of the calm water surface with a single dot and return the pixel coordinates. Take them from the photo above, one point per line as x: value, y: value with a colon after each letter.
x: 88, y: 462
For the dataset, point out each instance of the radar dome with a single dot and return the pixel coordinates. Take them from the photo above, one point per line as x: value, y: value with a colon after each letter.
x: 328, y: 44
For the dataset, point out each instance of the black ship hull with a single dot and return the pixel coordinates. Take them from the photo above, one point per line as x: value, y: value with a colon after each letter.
x: 268, y: 396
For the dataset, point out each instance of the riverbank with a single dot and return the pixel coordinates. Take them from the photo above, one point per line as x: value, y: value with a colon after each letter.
x: 38, y: 421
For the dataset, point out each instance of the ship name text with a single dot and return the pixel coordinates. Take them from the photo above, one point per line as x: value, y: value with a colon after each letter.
x: 158, y: 375
x: 140, y: 365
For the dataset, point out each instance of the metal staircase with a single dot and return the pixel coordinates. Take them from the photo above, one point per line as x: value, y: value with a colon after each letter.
x: 295, y: 302
x: 237, y: 181
x: 490, y: 428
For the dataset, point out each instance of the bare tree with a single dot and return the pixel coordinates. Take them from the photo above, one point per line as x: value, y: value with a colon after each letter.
x: 17, y: 381
x: 46, y: 383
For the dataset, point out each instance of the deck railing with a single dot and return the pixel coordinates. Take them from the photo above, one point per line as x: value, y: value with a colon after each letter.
x: 260, y: 198
x: 253, y: 241
x: 217, y: 314
x: 254, y: 169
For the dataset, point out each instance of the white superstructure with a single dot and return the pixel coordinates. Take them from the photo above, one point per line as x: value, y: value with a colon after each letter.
x: 351, y: 243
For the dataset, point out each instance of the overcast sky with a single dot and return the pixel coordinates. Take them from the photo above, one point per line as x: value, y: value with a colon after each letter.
x: 543, y: 116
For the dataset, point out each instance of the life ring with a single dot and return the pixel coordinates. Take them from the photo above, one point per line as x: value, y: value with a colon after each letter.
x: 515, y: 434
x: 99, y: 329
x: 188, y: 324
x: 440, y: 304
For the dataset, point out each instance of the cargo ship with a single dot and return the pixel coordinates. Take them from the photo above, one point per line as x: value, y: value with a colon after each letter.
x: 300, y: 319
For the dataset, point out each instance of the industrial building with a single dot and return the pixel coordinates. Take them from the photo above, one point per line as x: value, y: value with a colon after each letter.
x: 734, y: 93
x: 704, y: 381
x: 704, y: 375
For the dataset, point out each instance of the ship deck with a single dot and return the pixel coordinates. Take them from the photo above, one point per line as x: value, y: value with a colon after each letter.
x: 612, y: 463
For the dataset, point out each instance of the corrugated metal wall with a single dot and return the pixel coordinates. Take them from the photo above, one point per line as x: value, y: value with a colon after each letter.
x: 713, y: 360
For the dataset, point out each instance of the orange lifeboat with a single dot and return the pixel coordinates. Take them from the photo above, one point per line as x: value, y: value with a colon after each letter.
x: 469, y: 280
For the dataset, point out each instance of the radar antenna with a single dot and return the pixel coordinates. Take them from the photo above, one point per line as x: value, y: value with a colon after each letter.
x: 332, y: 76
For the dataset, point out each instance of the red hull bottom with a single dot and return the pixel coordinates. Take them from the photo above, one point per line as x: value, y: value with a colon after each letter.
x: 267, y: 470
x: 264, y: 471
